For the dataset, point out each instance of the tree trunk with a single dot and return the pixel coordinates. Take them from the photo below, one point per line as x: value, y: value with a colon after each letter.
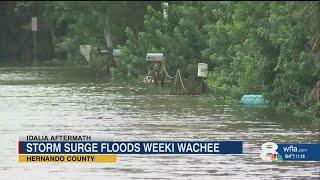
x: 107, y: 32
x: 108, y: 39
x: 34, y: 35
x: 53, y: 42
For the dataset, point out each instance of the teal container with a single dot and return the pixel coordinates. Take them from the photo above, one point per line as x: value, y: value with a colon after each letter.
x: 253, y: 99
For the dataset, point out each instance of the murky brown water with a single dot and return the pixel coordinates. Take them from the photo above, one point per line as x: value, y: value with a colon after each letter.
x: 42, y: 101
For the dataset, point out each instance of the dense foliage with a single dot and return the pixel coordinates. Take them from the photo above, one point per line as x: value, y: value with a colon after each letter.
x: 269, y: 48
x: 252, y: 48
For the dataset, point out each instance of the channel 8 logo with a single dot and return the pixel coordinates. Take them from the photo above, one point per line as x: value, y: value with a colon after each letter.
x: 269, y: 152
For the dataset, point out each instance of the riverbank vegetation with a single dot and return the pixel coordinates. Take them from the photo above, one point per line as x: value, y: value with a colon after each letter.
x: 269, y: 48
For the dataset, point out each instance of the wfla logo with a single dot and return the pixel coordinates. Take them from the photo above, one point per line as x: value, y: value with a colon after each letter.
x: 269, y: 152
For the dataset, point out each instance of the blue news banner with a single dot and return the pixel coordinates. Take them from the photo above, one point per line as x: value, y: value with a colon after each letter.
x: 299, y: 152
x: 130, y: 147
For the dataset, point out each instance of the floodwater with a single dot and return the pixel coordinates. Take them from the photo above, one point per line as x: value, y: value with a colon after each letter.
x: 52, y: 101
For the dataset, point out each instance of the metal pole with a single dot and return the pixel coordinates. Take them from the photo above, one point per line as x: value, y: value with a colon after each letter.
x: 34, y: 48
x: 165, y: 7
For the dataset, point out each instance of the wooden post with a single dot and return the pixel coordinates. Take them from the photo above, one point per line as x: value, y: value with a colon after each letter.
x: 203, y: 85
x: 107, y: 68
x: 108, y: 39
x: 34, y: 49
x: 176, y: 79
x: 156, y: 74
x: 34, y: 28
x: 162, y: 75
